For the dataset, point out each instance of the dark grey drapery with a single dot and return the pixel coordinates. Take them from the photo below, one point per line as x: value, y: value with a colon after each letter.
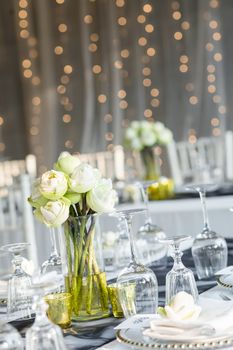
x: 104, y: 35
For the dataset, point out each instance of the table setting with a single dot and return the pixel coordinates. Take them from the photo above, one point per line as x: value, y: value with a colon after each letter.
x: 172, y: 292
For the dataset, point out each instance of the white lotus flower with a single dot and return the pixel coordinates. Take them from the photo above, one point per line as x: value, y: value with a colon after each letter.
x: 84, y: 178
x: 67, y: 163
x: 54, y: 213
x: 165, y: 137
x: 102, y: 198
x: 53, y: 184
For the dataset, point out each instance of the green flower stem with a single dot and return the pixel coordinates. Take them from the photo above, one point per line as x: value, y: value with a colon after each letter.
x: 77, y: 252
x: 79, y: 246
x: 69, y: 256
x: 86, y: 248
x: 102, y: 284
x: 89, y: 277
x: 152, y: 166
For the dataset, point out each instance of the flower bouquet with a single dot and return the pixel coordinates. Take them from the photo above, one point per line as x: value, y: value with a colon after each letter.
x: 142, y: 136
x: 72, y: 195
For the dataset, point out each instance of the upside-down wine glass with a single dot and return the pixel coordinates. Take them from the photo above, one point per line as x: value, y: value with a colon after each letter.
x: 137, y: 284
x: 156, y: 251
x: 18, y: 302
x: 209, y: 249
x: 43, y: 335
x: 180, y: 278
x: 54, y: 261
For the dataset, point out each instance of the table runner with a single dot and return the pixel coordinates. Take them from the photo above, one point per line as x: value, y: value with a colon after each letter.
x: 94, y: 334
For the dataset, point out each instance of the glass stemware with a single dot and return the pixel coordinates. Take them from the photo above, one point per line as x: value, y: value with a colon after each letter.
x: 10, y: 338
x: 54, y: 261
x: 209, y: 249
x: 137, y: 285
x: 156, y: 252
x: 18, y: 302
x: 43, y: 335
x: 180, y: 278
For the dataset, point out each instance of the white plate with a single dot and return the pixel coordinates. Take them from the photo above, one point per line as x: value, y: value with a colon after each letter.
x: 225, y: 281
x: 134, y: 337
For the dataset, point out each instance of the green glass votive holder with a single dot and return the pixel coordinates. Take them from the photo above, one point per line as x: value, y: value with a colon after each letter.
x: 114, y: 300
x: 60, y: 308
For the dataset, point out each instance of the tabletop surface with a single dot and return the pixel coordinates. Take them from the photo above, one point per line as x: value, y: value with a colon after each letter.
x: 101, y: 333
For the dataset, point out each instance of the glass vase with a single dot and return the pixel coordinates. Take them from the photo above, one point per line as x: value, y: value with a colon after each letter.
x: 151, y: 164
x: 85, y: 279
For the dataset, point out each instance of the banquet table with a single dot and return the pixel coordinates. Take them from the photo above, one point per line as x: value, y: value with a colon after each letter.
x: 183, y: 215
x: 100, y: 334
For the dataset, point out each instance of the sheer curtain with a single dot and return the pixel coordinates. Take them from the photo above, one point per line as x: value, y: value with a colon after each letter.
x: 75, y: 72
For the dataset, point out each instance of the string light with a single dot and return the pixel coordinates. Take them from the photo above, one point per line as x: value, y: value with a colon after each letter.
x: 147, y: 8
x: 142, y: 41
x: 102, y: 98
x: 178, y: 35
x: 154, y: 92
x: 1, y: 120
x: 141, y: 19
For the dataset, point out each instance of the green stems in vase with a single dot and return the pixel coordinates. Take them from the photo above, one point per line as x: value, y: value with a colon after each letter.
x: 86, y: 279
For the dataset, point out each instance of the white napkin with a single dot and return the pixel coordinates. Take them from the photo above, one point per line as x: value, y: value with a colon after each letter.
x: 216, y: 318
x: 217, y: 313
x: 226, y: 271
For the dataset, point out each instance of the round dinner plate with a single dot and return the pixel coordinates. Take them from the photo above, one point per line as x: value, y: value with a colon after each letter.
x: 134, y: 337
x: 225, y: 281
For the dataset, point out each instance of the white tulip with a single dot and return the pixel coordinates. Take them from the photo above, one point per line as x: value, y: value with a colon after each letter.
x: 53, y: 184
x: 102, y: 198
x: 54, y: 213
x: 67, y: 163
x: 84, y: 178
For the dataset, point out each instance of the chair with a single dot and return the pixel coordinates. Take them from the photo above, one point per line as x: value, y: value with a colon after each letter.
x: 10, y: 169
x: 209, y: 159
x: 110, y: 163
x: 16, y: 217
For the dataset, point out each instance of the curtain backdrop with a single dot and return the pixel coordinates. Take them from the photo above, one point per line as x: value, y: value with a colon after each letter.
x: 73, y: 73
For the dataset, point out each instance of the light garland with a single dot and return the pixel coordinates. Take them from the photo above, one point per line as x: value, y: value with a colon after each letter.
x: 28, y: 45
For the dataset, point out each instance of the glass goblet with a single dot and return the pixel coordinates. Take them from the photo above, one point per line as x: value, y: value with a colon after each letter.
x: 209, y: 249
x: 156, y: 254
x: 180, y: 278
x: 137, y: 284
x: 53, y: 263
x: 10, y: 338
x: 18, y: 302
x: 43, y: 335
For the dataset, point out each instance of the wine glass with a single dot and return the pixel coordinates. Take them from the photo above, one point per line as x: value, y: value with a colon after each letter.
x: 137, y: 284
x: 43, y: 335
x: 180, y: 278
x: 18, y: 302
x: 10, y: 338
x: 209, y: 249
x: 156, y: 252
x: 53, y: 263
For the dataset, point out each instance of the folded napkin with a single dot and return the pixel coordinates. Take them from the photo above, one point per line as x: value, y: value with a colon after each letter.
x: 216, y: 318
x: 217, y: 313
